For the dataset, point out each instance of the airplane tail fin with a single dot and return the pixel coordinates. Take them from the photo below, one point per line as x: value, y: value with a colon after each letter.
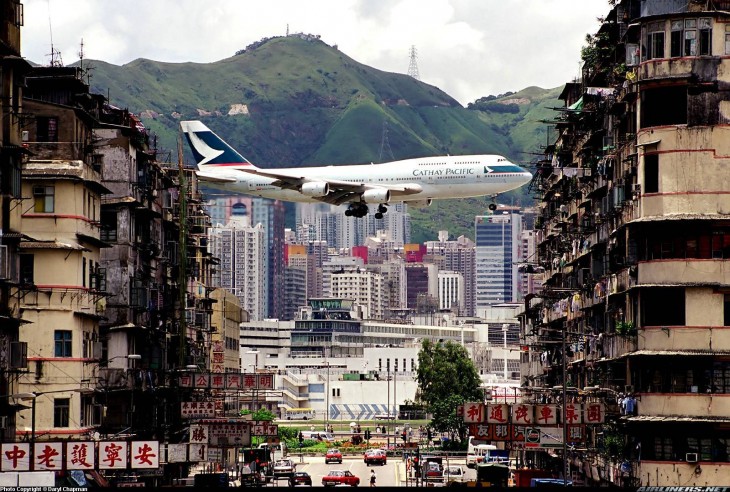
x: 209, y: 149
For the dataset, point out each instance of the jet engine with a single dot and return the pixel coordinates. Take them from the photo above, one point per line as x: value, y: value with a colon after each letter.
x: 380, y: 195
x: 315, y: 188
x: 420, y: 203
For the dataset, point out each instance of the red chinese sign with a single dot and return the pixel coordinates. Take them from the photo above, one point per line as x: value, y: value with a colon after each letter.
x: 546, y: 414
x: 113, y: 455
x: 47, y: 456
x: 473, y: 413
x: 523, y: 414
x: 145, y: 454
x: 594, y: 413
x: 497, y: 414
x: 15, y: 456
x: 80, y: 456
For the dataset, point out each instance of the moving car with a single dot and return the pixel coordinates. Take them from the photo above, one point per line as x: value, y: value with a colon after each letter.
x: 375, y: 456
x: 340, y: 477
x: 284, y: 468
x: 300, y: 478
x: 332, y: 456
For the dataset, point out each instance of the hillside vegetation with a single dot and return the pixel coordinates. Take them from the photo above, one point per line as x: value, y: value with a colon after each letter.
x: 296, y: 101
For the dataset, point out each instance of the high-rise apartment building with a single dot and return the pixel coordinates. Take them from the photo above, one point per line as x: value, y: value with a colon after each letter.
x: 456, y: 256
x: 498, y: 249
x: 242, y: 251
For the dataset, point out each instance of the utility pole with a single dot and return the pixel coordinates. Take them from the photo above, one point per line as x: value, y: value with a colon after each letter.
x: 182, y: 252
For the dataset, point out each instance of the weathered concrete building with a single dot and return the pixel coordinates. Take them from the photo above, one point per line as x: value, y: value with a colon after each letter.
x: 12, y: 72
x: 634, y: 237
x: 60, y: 282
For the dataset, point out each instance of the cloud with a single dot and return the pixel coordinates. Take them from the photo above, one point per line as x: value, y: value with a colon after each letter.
x: 468, y: 48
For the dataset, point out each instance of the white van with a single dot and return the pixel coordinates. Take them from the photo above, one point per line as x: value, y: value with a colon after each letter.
x: 479, y: 454
x: 318, y: 436
x: 277, y: 448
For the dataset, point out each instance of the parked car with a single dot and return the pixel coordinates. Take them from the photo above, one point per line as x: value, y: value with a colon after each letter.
x: 433, y: 471
x: 453, y: 473
x: 300, y: 478
x: 340, y: 477
x: 332, y: 456
x: 375, y: 456
x: 284, y: 468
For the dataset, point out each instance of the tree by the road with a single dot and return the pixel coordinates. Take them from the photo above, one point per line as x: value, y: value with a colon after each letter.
x: 446, y: 378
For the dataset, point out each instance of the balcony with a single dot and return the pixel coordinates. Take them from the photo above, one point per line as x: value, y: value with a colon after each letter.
x: 692, y: 272
x: 697, y: 405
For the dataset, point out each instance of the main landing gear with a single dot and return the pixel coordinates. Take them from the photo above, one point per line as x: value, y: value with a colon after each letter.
x: 493, y: 205
x: 361, y: 210
x: 356, y: 210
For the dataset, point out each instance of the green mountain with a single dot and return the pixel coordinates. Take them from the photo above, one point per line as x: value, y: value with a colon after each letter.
x: 296, y: 101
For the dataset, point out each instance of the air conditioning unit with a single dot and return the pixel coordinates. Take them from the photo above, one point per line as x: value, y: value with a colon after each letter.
x: 24, y: 135
x: 691, y: 458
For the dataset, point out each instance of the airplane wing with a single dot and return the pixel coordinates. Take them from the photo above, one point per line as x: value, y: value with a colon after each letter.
x: 340, y: 191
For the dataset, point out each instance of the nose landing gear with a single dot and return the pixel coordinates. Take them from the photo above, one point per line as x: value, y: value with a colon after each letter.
x: 381, y: 211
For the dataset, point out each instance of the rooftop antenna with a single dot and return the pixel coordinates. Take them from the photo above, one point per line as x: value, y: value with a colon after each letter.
x: 84, y: 72
x: 384, y: 144
x: 413, y: 66
x: 55, y: 55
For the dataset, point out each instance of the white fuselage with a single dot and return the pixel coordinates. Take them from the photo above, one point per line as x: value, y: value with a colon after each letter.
x: 437, y: 178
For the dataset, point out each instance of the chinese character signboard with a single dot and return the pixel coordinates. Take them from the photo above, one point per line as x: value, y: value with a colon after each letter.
x: 229, y: 433
x: 266, y: 429
x: 217, y: 381
x: 573, y: 413
x: 197, y: 409
x: 80, y: 456
x: 113, y: 455
x: 546, y: 414
x: 145, y: 454
x: 233, y: 381
x: 497, y: 414
x: 185, y: 381
x: 594, y: 413
x: 198, y: 452
x: 523, y: 414
x: 473, y: 413
x: 198, y: 434
x: 47, y: 456
x: 265, y: 381
x: 15, y: 456
x: 177, y: 453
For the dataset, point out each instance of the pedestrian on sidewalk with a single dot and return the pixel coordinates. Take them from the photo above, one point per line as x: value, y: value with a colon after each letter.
x: 372, y: 478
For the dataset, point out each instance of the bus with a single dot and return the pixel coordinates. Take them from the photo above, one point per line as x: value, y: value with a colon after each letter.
x: 299, y: 413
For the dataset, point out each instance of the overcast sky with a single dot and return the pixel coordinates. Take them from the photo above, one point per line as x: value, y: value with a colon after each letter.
x: 468, y: 48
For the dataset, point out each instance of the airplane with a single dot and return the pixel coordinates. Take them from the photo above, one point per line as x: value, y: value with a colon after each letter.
x: 415, y: 181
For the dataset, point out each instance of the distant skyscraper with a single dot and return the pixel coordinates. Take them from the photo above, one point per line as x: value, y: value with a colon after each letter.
x: 242, y: 251
x: 270, y: 214
x: 457, y: 256
x: 498, y: 249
